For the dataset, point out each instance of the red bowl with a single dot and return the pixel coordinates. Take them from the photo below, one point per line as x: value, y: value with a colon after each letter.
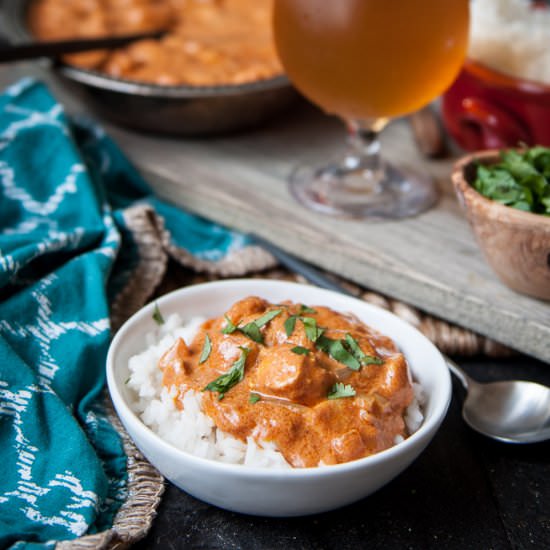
x: 485, y: 109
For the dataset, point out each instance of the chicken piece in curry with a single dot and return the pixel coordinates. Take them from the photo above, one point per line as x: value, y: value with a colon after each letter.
x: 321, y: 385
x: 208, y: 42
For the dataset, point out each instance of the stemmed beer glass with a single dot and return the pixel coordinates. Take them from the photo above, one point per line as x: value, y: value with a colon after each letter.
x: 368, y: 61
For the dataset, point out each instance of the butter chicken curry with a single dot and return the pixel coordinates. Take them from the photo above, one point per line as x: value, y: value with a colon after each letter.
x: 209, y: 42
x: 324, y: 387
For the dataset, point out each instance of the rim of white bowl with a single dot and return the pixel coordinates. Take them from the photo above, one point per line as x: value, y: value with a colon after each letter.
x: 426, y: 430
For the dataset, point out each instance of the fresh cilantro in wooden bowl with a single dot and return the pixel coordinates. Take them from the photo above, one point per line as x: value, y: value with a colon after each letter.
x: 506, y: 197
x: 521, y: 180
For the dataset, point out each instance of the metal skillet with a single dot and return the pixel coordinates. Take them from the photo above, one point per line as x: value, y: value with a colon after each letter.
x: 182, y: 110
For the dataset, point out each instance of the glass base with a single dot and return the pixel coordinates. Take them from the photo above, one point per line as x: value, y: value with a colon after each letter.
x: 358, y: 193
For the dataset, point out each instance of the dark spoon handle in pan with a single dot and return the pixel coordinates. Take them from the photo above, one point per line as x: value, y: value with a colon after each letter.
x: 55, y: 49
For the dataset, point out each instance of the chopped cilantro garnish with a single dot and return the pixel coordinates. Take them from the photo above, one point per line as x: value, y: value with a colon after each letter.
x: 299, y: 350
x: 346, y: 352
x: 252, y: 330
x: 312, y: 330
x: 157, y: 315
x: 230, y: 327
x: 290, y: 323
x: 340, y: 390
x: 370, y: 360
x: 337, y: 350
x: 310, y: 325
x: 232, y: 377
x: 266, y: 317
x: 520, y: 180
x: 206, y: 349
x: 254, y: 398
x: 359, y: 354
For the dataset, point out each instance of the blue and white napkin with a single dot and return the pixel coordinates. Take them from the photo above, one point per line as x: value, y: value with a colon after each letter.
x: 83, y: 243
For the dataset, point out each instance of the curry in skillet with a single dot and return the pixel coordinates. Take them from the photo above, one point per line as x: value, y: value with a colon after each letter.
x: 209, y: 42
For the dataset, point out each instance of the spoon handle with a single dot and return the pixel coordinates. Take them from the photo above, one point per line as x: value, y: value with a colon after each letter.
x: 465, y: 380
x: 307, y: 271
x: 53, y: 49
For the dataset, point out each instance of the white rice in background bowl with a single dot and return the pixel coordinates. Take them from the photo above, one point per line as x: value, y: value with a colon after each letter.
x: 512, y: 37
x: 189, y: 429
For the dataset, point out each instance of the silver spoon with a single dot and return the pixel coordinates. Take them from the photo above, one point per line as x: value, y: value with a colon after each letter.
x: 514, y: 411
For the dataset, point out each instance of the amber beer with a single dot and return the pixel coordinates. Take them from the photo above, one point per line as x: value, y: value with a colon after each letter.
x: 365, y: 59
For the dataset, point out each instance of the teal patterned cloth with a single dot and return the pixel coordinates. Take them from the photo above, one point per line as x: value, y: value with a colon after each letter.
x: 66, y: 250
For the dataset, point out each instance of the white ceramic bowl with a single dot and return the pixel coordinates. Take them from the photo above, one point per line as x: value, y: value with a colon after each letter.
x: 267, y: 492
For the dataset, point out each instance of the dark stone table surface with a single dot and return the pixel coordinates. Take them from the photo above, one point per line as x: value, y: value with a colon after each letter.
x: 464, y: 492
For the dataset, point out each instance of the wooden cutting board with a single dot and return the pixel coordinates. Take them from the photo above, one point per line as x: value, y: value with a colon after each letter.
x: 431, y: 261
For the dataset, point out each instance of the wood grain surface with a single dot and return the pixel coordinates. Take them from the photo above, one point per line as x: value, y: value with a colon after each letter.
x: 431, y: 261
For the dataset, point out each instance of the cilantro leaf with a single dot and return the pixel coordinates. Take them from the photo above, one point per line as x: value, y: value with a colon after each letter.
x: 323, y: 343
x: 231, y: 378
x: 370, y: 360
x: 230, y: 327
x: 266, y: 317
x: 290, y: 324
x: 340, y: 390
x: 520, y: 180
x: 299, y: 350
x: 312, y: 330
x: 253, y: 332
x: 157, y: 315
x: 254, y: 398
x: 337, y: 350
x: 539, y: 157
x: 359, y: 354
x: 517, y: 165
x: 206, y: 349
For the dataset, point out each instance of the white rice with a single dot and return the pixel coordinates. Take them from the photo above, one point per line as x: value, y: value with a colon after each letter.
x: 189, y: 429
x: 511, y: 37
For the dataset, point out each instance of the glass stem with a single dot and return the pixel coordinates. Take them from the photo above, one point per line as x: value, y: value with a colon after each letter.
x: 363, y: 155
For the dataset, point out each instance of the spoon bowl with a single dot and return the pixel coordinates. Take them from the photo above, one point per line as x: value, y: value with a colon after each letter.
x: 514, y: 411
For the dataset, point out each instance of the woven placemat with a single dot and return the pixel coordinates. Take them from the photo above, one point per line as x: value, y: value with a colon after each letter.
x: 164, y: 272
x: 135, y: 516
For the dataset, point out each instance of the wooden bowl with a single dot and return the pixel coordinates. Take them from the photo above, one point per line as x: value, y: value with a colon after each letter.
x: 515, y: 243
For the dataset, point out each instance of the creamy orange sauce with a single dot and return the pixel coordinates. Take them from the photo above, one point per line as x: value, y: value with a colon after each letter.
x: 210, y: 42
x: 293, y: 409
